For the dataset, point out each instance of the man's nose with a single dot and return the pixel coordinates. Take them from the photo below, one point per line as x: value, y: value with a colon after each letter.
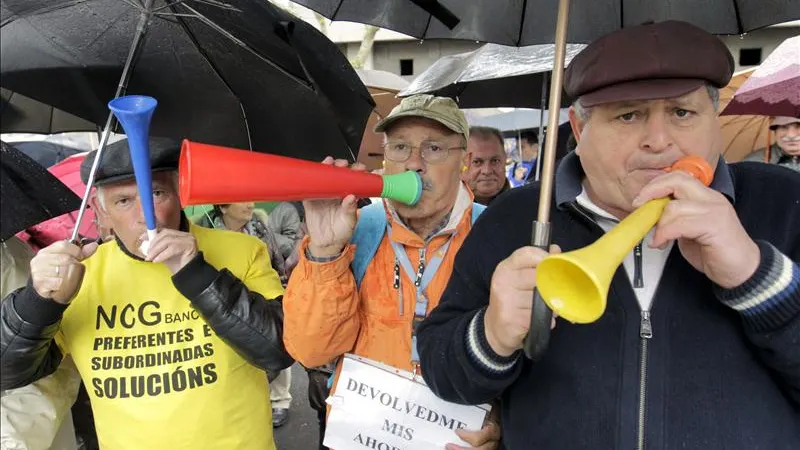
x: 139, y: 212
x: 415, y: 162
x: 657, y: 136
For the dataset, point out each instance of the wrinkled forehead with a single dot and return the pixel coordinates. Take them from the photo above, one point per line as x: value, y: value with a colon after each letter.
x: 696, y: 99
x: 485, y: 148
x: 419, y: 128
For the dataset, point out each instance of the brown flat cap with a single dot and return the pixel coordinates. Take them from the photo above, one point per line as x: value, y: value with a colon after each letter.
x: 645, y: 62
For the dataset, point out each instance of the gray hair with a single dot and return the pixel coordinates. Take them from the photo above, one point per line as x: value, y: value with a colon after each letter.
x: 584, y: 113
x: 101, y: 197
x: 713, y: 92
x: 486, y: 134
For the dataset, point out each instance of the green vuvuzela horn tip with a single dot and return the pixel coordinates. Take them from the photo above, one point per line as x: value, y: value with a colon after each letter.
x: 404, y: 187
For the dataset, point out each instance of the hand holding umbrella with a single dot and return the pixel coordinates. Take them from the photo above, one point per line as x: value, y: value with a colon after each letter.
x: 134, y: 113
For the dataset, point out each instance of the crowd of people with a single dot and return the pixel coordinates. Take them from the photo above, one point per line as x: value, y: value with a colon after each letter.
x: 190, y: 343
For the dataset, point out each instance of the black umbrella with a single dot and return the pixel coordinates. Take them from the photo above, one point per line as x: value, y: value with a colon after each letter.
x: 238, y: 73
x: 492, y: 76
x: 29, y: 194
x: 46, y: 154
x: 20, y: 114
x: 496, y: 75
x: 529, y: 22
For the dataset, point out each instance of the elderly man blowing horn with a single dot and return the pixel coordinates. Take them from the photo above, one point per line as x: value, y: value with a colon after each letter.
x: 698, y: 346
x: 172, y: 345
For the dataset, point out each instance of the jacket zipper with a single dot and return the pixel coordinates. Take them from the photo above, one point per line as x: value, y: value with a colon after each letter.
x: 638, y: 279
x: 417, y: 280
x: 645, y: 333
x: 396, y: 286
x: 420, y: 267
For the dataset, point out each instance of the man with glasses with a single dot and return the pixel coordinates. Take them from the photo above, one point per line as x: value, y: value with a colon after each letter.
x: 366, y: 280
x: 486, y: 172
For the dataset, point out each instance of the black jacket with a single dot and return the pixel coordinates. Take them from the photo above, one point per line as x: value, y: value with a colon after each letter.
x: 246, y: 321
x: 715, y: 378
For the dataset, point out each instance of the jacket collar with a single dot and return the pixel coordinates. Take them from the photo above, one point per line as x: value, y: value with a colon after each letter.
x: 569, y: 179
x: 487, y: 200
x: 776, y: 153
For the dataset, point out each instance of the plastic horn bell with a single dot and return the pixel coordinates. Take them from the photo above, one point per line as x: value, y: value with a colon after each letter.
x: 575, y: 284
x: 210, y: 174
x: 134, y: 113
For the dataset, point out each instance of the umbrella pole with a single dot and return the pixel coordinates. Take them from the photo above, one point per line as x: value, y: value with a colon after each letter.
x: 539, y: 334
x: 541, y: 127
x: 133, y: 53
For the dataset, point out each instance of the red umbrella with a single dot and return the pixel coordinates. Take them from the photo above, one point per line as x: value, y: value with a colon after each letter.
x: 60, y: 228
x: 773, y: 89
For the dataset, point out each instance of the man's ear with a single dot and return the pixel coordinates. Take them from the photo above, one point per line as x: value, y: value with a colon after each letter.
x: 463, y: 168
x: 101, y: 215
x: 576, y: 124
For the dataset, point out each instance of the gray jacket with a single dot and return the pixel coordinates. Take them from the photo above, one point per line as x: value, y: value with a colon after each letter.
x: 777, y: 157
x: 775, y: 154
x: 285, y: 221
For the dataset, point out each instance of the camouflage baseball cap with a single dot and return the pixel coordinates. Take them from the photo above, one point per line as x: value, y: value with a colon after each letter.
x: 441, y: 109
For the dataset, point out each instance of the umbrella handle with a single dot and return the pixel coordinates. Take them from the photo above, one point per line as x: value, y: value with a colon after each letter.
x: 538, y: 337
x: 70, y: 283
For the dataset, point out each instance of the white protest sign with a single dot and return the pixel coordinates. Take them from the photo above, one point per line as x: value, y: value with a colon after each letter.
x: 379, y: 407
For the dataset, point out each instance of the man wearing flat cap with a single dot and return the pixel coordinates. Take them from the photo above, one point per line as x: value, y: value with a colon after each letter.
x: 698, y: 345
x: 172, y: 344
x: 786, y: 151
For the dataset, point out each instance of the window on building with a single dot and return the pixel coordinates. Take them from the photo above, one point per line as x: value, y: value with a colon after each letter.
x: 749, y: 56
x: 406, y: 67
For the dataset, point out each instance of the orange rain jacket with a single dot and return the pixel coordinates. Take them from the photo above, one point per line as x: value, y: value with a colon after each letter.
x: 325, y: 316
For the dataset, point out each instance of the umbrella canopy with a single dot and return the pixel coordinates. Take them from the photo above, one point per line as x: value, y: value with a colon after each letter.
x: 59, y: 228
x: 529, y: 22
x: 383, y: 86
x: 773, y: 89
x: 742, y: 134
x: 237, y: 73
x: 493, y: 75
x: 68, y: 172
x: 20, y: 114
x: 29, y: 194
x: 45, y: 153
x: 519, y: 119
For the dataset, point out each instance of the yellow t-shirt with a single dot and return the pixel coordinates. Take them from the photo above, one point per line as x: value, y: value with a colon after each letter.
x: 157, y: 375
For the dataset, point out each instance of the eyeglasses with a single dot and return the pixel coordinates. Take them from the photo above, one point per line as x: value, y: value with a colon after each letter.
x: 431, y: 151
